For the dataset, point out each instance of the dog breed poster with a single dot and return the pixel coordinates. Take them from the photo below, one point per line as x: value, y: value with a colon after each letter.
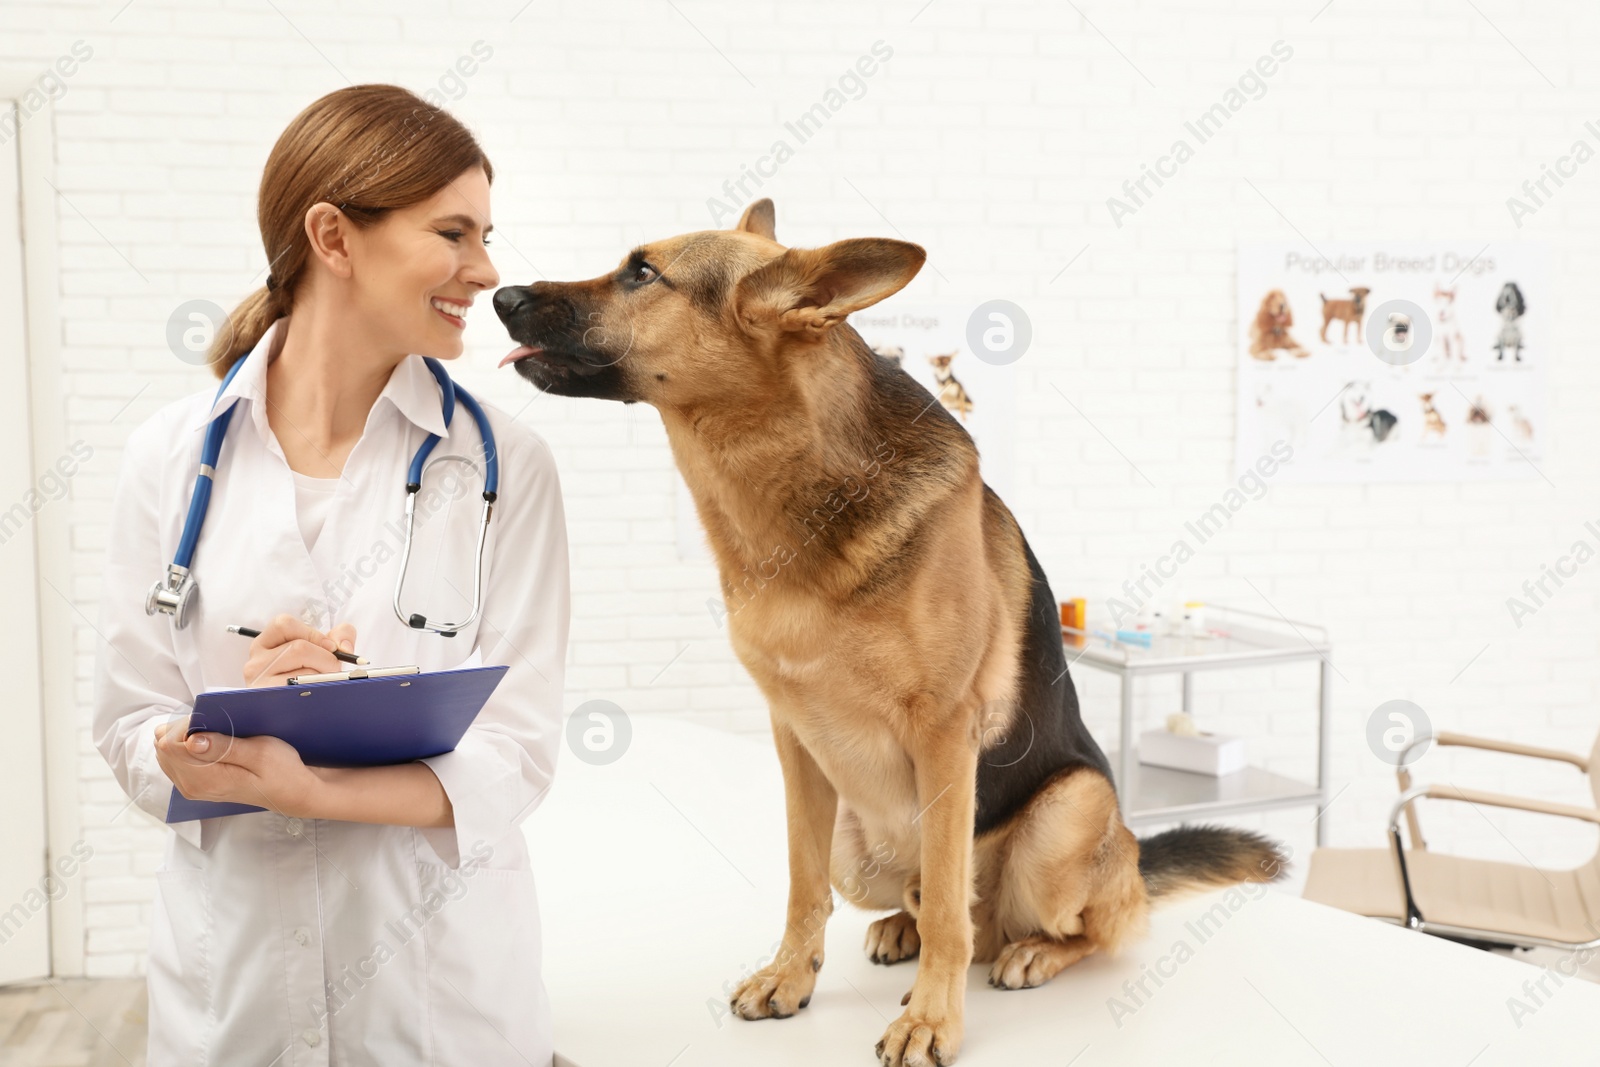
x: 1394, y: 361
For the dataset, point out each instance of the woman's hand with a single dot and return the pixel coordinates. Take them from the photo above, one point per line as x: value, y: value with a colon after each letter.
x: 263, y: 771
x: 269, y: 773
x: 288, y: 646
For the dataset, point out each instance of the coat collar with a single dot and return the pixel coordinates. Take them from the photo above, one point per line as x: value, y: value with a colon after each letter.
x: 411, y: 388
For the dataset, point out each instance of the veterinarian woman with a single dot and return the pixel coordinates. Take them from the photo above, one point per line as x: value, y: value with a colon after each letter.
x: 375, y: 916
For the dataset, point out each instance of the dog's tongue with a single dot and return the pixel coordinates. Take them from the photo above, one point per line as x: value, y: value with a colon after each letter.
x: 520, y: 352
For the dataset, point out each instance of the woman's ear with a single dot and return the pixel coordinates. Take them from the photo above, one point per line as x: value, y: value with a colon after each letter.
x: 329, y: 237
x: 812, y: 290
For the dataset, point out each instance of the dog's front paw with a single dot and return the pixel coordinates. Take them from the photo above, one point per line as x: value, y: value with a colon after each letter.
x: 893, y: 939
x: 917, y: 1040
x: 776, y: 992
x: 1025, y: 964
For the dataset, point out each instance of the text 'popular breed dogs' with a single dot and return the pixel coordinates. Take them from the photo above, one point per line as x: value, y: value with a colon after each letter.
x: 886, y: 603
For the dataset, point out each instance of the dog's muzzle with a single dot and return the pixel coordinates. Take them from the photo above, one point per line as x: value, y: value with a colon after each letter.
x: 557, y: 354
x: 536, y: 315
x: 515, y: 305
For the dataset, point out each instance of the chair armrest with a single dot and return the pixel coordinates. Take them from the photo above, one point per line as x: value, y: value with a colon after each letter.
x: 1496, y: 800
x: 1471, y: 796
x: 1445, y: 737
x: 1488, y: 744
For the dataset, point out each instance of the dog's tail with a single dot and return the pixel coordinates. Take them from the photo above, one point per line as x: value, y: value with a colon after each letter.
x: 1199, y: 857
x: 1324, y: 298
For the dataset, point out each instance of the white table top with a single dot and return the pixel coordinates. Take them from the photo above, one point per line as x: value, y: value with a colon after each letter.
x: 662, y: 879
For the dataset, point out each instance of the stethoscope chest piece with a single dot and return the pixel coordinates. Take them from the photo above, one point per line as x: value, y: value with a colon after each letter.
x: 174, y: 595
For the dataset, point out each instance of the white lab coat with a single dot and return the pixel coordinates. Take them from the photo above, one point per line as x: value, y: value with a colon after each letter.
x: 282, y: 942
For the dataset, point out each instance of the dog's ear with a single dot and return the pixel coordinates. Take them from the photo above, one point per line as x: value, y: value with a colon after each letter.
x: 760, y: 218
x: 811, y: 290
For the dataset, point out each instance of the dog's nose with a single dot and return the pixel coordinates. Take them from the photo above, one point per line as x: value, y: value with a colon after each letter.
x: 510, y: 300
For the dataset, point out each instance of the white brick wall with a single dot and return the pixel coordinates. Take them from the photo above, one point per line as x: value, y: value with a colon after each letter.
x: 993, y: 136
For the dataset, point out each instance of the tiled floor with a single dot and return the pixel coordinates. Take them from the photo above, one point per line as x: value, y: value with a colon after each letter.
x: 73, y: 1022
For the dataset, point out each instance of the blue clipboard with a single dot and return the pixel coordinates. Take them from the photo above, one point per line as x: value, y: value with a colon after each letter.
x: 359, y: 722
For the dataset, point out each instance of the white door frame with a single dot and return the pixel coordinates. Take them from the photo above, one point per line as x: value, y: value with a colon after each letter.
x: 52, y: 527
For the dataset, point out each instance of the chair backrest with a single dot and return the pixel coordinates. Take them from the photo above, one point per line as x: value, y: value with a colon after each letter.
x: 1594, y: 776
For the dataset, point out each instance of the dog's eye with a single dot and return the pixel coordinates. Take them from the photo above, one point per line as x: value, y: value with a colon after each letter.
x: 643, y: 274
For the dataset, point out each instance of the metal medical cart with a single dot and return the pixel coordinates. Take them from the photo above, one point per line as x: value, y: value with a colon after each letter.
x: 1235, y: 639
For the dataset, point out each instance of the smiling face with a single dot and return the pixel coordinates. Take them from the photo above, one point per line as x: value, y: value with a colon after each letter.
x: 417, y: 272
x: 716, y: 317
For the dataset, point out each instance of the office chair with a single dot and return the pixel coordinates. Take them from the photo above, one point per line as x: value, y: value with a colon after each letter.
x: 1479, y: 902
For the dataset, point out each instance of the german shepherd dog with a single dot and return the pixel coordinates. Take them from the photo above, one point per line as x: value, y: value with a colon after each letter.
x: 934, y: 760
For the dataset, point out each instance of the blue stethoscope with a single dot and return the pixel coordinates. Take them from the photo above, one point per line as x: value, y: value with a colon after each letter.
x: 175, y: 594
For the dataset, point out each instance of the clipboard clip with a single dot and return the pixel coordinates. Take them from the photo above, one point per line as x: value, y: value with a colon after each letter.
x: 353, y: 673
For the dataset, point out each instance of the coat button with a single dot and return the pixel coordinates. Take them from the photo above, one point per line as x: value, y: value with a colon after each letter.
x: 294, y: 827
x: 312, y: 615
x: 303, y: 936
x: 311, y: 1037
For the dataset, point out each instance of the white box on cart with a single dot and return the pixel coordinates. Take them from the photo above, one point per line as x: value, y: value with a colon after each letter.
x: 1203, y: 753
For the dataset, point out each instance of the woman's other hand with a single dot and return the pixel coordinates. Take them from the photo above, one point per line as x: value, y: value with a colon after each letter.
x: 263, y: 771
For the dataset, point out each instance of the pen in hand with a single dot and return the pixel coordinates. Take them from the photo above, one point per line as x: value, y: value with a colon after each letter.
x: 341, y: 654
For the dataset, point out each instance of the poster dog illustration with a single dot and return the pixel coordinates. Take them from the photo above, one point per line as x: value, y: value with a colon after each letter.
x: 1511, y: 307
x: 1345, y: 311
x: 1521, y: 424
x: 1397, y: 335
x: 1269, y: 332
x: 952, y: 394
x: 1282, y: 418
x: 1452, y: 346
x: 1433, y: 424
x: 1480, y: 428
x: 1363, y: 427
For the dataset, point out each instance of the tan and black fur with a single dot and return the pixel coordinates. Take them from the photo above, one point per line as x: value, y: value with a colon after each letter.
x: 934, y: 759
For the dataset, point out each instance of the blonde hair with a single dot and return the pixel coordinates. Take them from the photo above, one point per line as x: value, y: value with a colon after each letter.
x: 366, y: 149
